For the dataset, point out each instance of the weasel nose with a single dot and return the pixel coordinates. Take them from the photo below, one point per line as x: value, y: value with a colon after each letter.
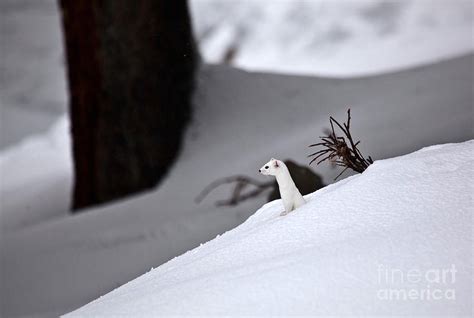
x: 259, y: 170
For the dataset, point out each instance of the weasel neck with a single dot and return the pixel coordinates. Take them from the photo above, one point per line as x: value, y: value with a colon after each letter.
x: 284, y: 179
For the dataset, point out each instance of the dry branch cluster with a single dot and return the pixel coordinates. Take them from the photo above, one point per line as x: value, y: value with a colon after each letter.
x: 341, y: 150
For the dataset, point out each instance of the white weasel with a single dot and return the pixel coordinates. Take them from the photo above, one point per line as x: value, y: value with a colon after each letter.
x: 289, y: 193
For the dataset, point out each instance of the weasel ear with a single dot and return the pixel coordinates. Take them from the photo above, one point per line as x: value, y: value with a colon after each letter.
x: 273, y: 159
x: 276, y: 164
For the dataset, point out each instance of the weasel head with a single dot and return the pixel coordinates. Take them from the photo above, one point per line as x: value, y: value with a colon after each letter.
x: 271, y: 168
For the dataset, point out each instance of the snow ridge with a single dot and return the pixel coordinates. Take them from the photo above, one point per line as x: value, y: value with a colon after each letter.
x: 404, y: 213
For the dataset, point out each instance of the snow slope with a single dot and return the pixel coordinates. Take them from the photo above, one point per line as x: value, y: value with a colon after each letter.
x: 52, y: 262
x: 78, y: 258
x: 410, y: 212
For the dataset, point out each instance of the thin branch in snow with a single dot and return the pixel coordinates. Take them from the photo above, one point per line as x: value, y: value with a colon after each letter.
x: 242, y: 183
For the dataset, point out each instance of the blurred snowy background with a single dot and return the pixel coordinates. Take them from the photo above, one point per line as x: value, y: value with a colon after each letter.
x: 318, y: 37
x: 331, y: 38
x: 325, y: 48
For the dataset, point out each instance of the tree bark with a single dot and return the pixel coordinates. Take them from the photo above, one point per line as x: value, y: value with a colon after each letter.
x: 130, y: 70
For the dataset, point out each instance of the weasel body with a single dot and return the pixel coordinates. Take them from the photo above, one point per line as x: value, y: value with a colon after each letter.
x: 290, y: 195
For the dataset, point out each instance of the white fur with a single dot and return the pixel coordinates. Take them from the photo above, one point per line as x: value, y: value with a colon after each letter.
x: 290, y: 195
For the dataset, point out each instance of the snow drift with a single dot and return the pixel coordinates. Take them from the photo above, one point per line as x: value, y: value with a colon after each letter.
x: 78, y: 258
x: 334, y: 255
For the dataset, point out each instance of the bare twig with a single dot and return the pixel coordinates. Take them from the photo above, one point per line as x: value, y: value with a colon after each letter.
x: 238, y: 195
x: 337, y: 150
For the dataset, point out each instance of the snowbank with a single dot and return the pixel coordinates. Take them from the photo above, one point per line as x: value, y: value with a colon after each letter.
x: 331, y: 256
x: 78, y: 258
x: 53, y: 262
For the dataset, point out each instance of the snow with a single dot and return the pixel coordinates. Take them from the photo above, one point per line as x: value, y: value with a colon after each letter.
x: 333, y: 38
x: 36, y: 179
x: 53, y: 262
x: 409, y: 212
x: 313, y: 37
x: 33, y: 81
x: 92, y: 253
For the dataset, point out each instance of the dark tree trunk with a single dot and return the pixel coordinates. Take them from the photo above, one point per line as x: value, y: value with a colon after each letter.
x: 130, y: 69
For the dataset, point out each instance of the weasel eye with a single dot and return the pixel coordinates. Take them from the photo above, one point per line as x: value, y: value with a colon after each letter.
x: 266, y: 167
